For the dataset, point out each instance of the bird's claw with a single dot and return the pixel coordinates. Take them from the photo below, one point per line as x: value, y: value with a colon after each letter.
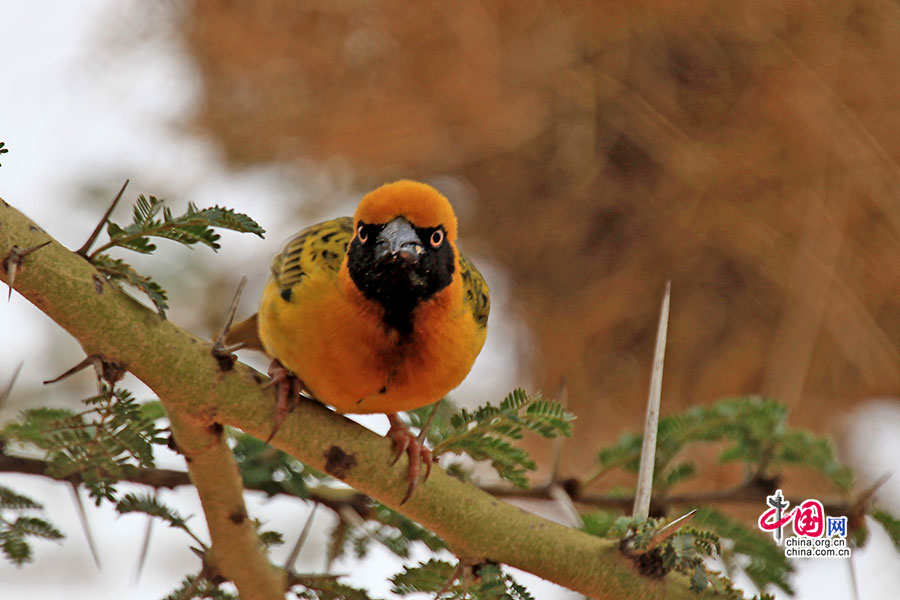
x: 289, y: 389
x: 406, y: 442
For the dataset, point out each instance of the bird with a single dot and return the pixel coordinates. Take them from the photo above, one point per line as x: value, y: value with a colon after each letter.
x: 378, y: 313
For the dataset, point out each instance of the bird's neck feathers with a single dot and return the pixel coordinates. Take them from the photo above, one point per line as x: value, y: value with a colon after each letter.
x: 404, y: 317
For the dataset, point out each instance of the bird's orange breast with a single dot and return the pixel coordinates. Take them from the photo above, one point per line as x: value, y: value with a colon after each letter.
x: 334, y: 340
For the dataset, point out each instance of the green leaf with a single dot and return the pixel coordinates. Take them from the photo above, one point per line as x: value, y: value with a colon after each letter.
x: 750, y: 550
x: 268, y: 469
x: 145, y: 209
x: 440, y: 427
x: 10, y: 500
x: 678, y: 473
x: 598, y: 522
x: 441, y: 578
x: 153, y: 410
x: 891, y: 525
x: 699, y: 579
x: 193, y: 227
x: 15, y: 530
x: 428, y: 577
x: 751, y: 430
x: 271, y: 538
x: 194, y: 586
x: 15, y: 548
x: 118, y: 271
x: 395, y: 531
x: 102, y: 444
x: 35, y: 426
x: 3, y: 150
x: 485, y: 434
x: 325, y: 587
x: 36, y: 527
x: 147, y: 504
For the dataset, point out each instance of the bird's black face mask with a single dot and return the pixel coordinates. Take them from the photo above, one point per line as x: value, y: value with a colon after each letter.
x: 400, y: 266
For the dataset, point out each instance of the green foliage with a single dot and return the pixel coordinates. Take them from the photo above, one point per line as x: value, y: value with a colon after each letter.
x: 750, y: 550
x: 271, y: 538
x: 440, y: 426
x: 598, y: 522
x: 656, y: 555
x: 485, y: 434
x: 149, y: 505
x: 2, y: 149
x: 265, y: 468
x: 118, y: 271
x: 394, y: 531
x: 754, y: 430
x: 196, y: 226
x: 891, y: 525
x: 324, y: 587
x: 100, y: 444
x: 195, y: 586
x: 485, y: 582
x: 17, y: 525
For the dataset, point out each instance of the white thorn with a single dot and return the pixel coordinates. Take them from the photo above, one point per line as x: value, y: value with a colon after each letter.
x: 648, y: 449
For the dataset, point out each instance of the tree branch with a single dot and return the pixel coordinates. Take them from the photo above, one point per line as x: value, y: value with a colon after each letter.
x: 199, y: 396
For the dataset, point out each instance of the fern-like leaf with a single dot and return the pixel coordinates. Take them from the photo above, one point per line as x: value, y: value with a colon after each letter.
x: 324, y: 587
x: 486, y: 582
x: 485, y: 433
x: 149, y: 505
x: 762, y: 561
x: 891, y: 525
x: 196, y: 226
x: 17, y: 526
x: 102, y: 444
x: 118, y: 271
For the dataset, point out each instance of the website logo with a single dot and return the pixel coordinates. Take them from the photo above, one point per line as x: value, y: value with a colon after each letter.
x: 815, y: 534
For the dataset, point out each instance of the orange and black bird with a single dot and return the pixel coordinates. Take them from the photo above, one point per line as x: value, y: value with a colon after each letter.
x: 375, y: 314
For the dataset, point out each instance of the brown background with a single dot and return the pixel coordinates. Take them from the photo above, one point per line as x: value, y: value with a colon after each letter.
x: 748, y: 153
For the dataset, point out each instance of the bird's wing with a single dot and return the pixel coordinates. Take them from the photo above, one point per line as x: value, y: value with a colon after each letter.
x: 475, y: 291
x: 319, y: 249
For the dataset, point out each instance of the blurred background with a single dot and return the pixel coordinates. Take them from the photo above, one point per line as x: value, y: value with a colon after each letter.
x: 749, y: 152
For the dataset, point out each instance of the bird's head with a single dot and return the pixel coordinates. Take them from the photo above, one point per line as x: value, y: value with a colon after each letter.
x: 403, y: 250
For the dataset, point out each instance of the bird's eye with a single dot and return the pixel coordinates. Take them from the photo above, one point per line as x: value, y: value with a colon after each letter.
x: 361, y: 234
x: 437, y: 238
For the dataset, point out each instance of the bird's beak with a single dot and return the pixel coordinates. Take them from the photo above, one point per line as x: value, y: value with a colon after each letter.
x: 398, y: 240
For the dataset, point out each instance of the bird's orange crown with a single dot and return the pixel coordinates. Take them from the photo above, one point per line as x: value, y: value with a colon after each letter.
x: 421, y: 204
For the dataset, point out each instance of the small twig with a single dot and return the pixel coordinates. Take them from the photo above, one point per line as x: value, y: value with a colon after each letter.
x: 295, y: 551
x: 13, y: 260
x: 93, y: 238
x: 189, y: 593
x: 562, y: 396
x: 220, y: 350
x: 648, y: 450
x: 457, y: 573
x: 423, y: 433
x: 9, y: 386
x: 82, y: 516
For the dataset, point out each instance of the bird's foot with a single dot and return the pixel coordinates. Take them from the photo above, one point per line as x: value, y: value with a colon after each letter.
x: 289, y: 388
x: 418, y: 452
